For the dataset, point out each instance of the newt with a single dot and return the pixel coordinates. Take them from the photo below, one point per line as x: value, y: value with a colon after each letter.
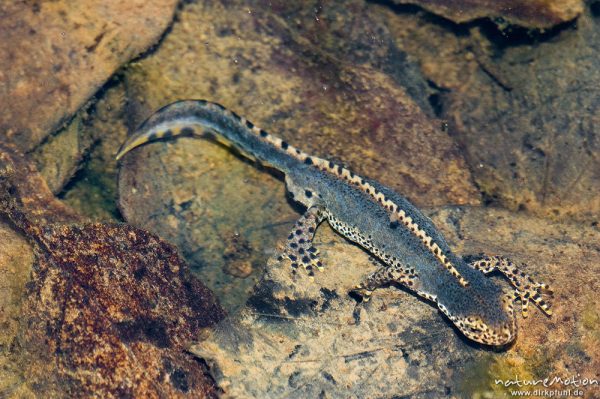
x: 409, y: 249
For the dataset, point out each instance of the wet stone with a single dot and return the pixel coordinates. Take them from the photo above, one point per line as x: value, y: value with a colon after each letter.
x: 527, y: 124
x: 128, y: 304
x: 539, y: 14
x: 100, y: 302
x: 522, y: 113
x: 56, y: 55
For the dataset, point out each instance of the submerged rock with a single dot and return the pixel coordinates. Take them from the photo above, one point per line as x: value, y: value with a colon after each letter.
x: 56, y: 55
x: 528, y: 122
x: 16, y: 262
x: 116, y: 308
x: 521, y: 106
x: 538, y: 14
x: 108, y: 309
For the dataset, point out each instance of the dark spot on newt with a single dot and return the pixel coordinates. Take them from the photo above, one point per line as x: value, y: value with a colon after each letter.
x: 187, y: 131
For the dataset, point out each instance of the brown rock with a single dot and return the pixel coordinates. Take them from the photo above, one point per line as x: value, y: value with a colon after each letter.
x: 25, y: 196
x: 527, y: 124
x: 16, y: 262
x: 353, y: 32
x: 109, y: 309
x: 55, y: 55
x: 529, y: 13
x: 519, y: 106
x: 112, y: 308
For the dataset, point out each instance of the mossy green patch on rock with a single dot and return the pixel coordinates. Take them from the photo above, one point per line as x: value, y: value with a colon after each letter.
x: 486, y: 377
x: 590, y: 320
x: 92, y: 191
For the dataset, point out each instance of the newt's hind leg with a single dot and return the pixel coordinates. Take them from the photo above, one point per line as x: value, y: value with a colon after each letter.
x: 299, y: 249
x: 385, y: 275
x: 526, y: 289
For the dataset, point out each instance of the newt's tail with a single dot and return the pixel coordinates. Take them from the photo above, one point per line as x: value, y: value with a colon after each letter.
x: 197, y: 117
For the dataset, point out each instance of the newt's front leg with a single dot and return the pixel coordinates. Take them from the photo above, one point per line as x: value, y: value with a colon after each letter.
x: 299, y: 249
x: 526, y: 289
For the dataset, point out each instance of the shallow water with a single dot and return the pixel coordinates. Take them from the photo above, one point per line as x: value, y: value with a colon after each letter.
x: 483, y: 117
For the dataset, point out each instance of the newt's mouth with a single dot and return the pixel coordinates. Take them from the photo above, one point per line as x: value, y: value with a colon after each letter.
x: 474, y: 328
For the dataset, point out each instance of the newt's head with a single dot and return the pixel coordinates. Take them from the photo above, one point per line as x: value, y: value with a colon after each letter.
x: 481, y: 311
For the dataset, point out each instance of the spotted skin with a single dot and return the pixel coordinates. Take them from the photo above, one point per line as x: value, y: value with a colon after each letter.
x: 385, y: 275
x: 412, y: 251
x: 525, y: 288
x: 299, y: 249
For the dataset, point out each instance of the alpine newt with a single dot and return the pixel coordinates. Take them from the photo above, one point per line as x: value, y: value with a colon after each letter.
x: 408, y: 247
